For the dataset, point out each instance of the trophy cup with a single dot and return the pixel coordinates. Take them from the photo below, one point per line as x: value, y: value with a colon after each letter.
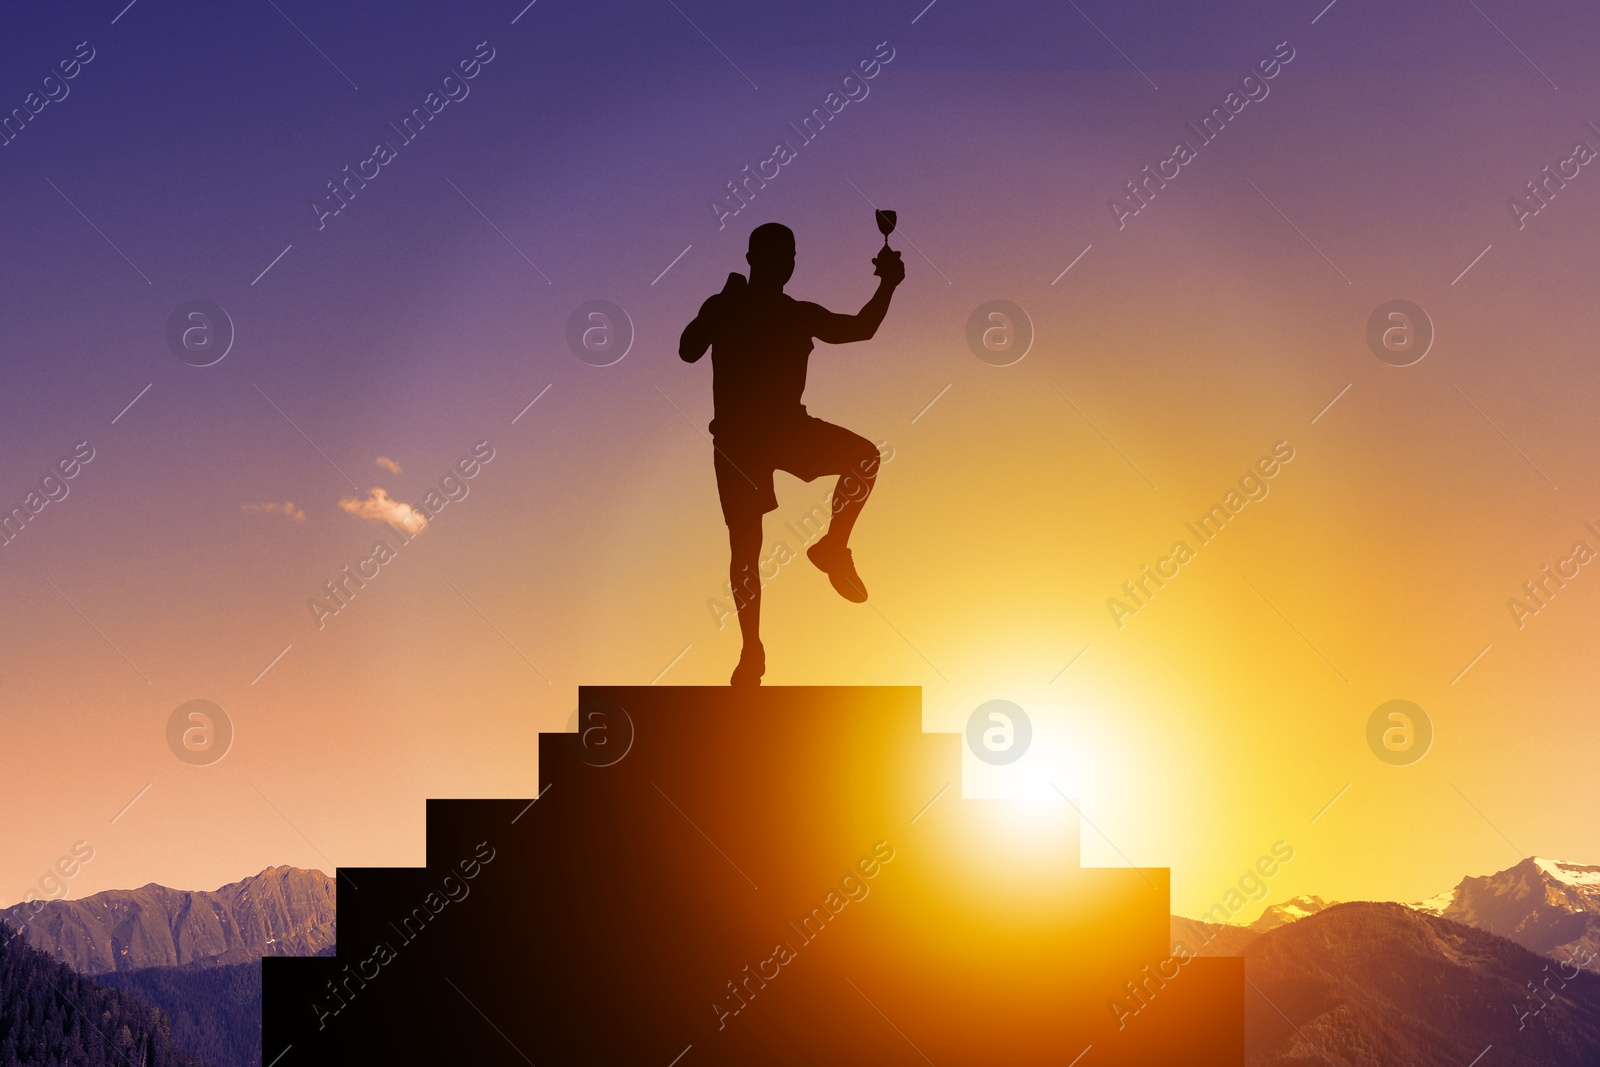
x: 886, y: 220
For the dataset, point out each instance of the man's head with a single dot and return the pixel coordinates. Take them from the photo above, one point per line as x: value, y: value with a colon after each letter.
x: 771, y: 255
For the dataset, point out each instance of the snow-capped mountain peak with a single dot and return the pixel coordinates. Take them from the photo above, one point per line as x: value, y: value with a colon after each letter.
x: 1294, y: 908
x: 1549, y: 906
x: 1573, y: 874
x: 1436, y: 905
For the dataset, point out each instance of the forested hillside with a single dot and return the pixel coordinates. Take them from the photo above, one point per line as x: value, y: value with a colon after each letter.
x: 50, y: 1016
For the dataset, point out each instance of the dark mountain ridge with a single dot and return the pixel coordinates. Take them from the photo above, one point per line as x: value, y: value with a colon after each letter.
x: 1371, y: 985
x: 52, y: 1017
x: 214, y: 1011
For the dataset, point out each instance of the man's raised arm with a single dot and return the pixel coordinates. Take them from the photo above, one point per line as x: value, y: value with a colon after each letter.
x: 835, y: 329
x: 697, y: 336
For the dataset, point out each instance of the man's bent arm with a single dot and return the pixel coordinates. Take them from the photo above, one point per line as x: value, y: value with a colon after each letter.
x: 696, y: 338
x: 698, y: 335
x: 835, y: 329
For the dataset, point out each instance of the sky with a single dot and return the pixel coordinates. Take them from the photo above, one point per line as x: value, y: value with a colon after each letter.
x: 425, y: 325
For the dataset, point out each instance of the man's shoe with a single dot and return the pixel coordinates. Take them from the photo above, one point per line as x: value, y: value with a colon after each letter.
x: 752, y: 665
x: 840, y: 567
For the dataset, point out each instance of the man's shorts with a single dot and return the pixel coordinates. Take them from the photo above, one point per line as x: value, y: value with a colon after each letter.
x: 804, y: 446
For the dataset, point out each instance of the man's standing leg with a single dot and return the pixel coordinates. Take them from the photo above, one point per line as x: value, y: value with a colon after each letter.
x: 744, y: 576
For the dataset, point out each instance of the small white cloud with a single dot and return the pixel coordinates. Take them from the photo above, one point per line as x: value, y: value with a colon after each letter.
x: 380, y: 507
x: 286, y: 509
x: 388, y: 464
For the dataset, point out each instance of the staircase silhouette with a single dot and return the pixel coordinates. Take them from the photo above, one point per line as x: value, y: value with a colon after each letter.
x: 666, y: 900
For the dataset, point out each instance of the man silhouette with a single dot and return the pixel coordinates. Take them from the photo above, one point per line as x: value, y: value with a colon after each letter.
x: 760, y: 340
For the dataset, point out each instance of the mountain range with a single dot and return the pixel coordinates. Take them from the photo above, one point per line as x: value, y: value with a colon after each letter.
x: 1375, y: 985
x: 189, y: 961
x: 1551, y: 907
x: 1492, y: 972
x: 1497, y: 963
x: 1548, y: 906
x: 283, y: 911
x: 1230, y: 939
